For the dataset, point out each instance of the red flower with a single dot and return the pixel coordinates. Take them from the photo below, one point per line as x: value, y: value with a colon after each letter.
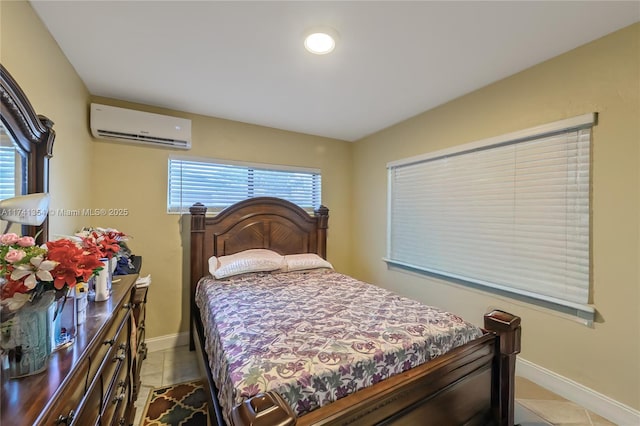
x: 12, y: 287
x: 90, y: 246
x: 90, y: 262
x: 74, y: 263
x: 108, y: 243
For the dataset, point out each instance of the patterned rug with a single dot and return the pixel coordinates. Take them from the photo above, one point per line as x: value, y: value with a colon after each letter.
x: 183, y: 404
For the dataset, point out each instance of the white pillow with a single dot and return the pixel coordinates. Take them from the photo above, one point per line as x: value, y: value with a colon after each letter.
x: 213, y: 264
x: 299, y: 262
x: 254, y: 260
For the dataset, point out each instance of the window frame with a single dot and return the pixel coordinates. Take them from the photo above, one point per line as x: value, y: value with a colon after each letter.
x: 252, y: 167
x: 583, y: 312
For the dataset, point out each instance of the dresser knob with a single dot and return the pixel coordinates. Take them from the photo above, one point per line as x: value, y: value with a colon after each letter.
x: 126, y: 306
x: 120, y: 357
x: 65, y: 420
x: 122, y: 346
x: 118, y: 398
x: 109, y: 342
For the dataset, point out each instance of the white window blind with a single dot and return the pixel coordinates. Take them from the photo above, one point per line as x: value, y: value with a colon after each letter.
x: 7, y: 172
x: 218, y: 184
x: 509, y: 213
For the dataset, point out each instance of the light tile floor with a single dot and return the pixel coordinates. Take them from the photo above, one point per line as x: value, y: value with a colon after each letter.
x: 553, y: 409
x: 535, y: 406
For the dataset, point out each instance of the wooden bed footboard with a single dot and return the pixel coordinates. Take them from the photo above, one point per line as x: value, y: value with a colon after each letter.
x: 472, y: 385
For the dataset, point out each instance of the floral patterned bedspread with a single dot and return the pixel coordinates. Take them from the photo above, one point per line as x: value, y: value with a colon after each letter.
x: 316, y: 336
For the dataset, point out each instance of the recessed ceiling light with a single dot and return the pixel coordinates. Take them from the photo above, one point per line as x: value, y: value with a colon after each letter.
x: 320, y: 41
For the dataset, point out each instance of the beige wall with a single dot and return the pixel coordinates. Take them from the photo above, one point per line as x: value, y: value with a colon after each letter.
x: 137, y: 180
x: 602, y: 76
x: 33, y: 58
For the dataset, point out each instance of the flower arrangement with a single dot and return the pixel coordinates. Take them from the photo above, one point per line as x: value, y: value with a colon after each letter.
x: 108, y: 242
x: 27, y: 270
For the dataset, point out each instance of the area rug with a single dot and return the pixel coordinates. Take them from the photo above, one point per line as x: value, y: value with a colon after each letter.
x: 182, y: 404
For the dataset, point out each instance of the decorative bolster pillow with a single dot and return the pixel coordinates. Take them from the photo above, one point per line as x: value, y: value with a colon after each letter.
x: 254, y: 260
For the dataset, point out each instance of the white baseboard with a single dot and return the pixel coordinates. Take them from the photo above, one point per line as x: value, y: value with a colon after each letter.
x: 167, y: 342
x: 600, y: 404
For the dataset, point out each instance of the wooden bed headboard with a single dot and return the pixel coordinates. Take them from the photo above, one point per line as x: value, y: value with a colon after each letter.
x: 260, y: 222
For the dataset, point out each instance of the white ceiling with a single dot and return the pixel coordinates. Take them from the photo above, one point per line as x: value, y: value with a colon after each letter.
x: 245, y: 61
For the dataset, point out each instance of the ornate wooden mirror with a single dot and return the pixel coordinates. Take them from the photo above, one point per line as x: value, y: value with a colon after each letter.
x: 26, y: 144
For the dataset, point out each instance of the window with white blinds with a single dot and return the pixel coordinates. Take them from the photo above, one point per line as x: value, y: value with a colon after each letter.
x: 509, y: 213
x: 218, y: 184
x: 7, y: 172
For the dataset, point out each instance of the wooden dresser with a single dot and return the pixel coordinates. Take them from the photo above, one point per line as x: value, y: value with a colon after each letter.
x: 95, y: 380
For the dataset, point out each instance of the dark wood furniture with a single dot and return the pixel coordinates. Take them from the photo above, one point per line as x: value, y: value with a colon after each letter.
x: 93, y: 380
x: 140, y: 352
x: 471, y: 385
x: 33, y: 138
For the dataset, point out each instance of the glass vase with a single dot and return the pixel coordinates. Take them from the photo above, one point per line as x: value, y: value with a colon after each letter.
x: 25, y: 338
x: 63, y: 315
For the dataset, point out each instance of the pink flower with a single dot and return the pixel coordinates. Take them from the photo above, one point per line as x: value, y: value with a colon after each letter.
x: 8, y: 239
x: 26, y: 241
x: 14, y: 256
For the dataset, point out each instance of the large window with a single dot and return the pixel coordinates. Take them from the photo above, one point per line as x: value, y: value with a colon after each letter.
x: 510, y: 214
x: 218, y: 184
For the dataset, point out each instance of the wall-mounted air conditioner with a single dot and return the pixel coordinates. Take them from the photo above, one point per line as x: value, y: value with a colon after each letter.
x: 126, y: 125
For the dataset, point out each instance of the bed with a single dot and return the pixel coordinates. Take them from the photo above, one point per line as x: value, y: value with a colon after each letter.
x: 470, y: 384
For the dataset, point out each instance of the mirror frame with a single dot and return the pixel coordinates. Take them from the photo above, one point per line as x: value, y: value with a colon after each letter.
x: 33, y: 135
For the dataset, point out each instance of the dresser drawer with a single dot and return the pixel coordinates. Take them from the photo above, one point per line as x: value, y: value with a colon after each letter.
x: 117, y: 360
x: 89, y: 413
x: 120, y: 414
x: 70, y: 401
x: 100, y: 358
x: 117, y: 397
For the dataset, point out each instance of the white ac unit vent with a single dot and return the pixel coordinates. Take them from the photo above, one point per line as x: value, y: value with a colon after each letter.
x: 127, y: 125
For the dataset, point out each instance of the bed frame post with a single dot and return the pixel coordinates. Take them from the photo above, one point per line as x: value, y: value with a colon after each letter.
x: 508, y: 331
x: 198, y: 212
x: 322, y: 220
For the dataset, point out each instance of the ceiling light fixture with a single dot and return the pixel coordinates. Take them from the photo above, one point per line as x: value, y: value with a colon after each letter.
x: 320, y: 41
